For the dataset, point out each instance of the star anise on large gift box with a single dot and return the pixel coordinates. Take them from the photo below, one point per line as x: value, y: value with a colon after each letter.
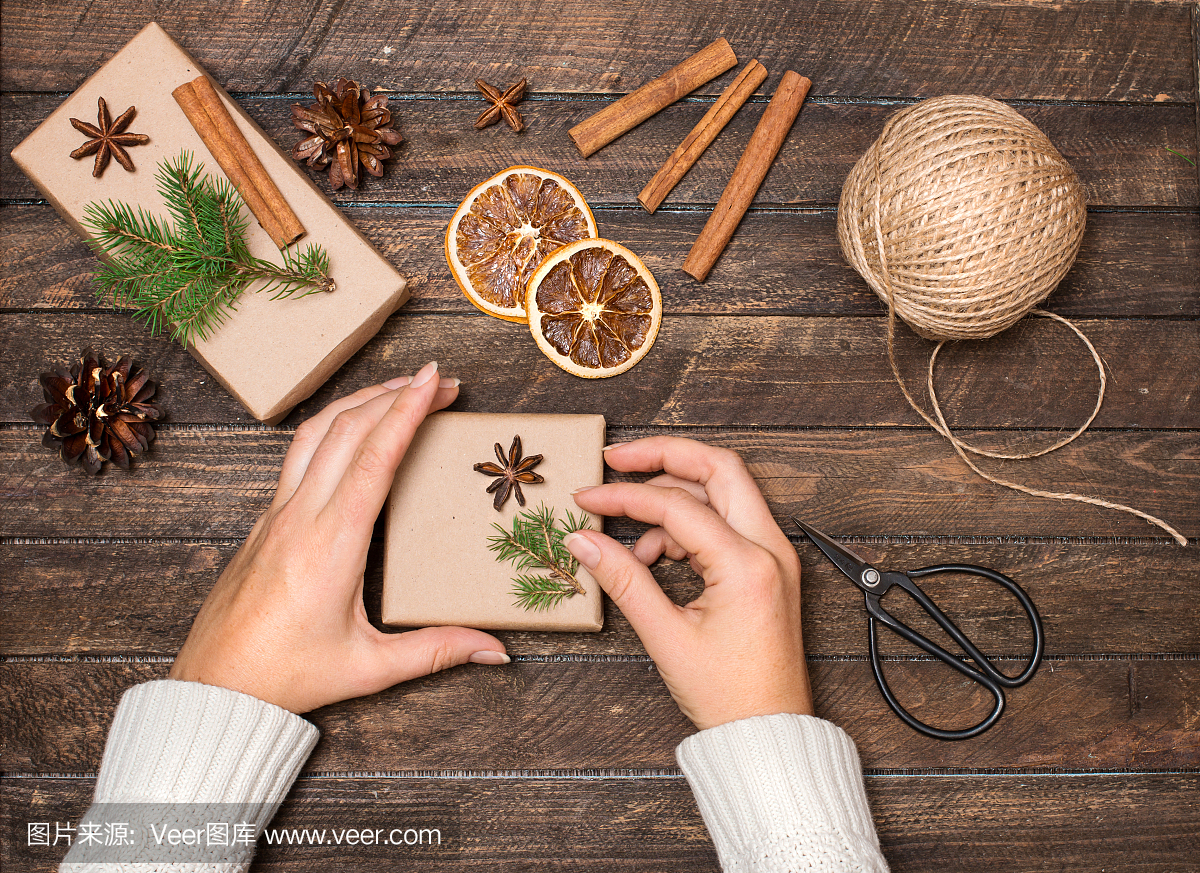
x: 97, y: 413
x: 107, y: 138
x: 512, y: 472
x: 349, y: 127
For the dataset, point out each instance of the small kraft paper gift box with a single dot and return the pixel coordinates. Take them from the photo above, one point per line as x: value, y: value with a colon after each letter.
x: 438, y: 568
x: 269, y: 354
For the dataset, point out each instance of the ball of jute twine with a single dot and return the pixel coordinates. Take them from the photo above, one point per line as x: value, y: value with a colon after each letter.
x: 962, y: 217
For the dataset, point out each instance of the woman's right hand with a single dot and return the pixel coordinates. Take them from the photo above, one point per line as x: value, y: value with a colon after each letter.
x: 285, y: 622
x: 736, y: 650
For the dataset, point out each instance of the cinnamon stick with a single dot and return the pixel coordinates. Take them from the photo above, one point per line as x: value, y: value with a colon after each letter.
x: 216, y: 127
x: 702, y: 135
x: 748, y: 176
x: 631, y: 110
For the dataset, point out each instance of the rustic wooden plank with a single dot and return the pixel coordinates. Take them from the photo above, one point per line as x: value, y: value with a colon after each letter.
x: 711, y: 371
x: 1136, y: 822
x: 1072, y: 50
x: 1131, y: 265
x: 1117, y: 150
x: 1196, y: 79
x: 214, y: 484
x: 546, y: 715
x: 126, y: 598
x: 926, y: 823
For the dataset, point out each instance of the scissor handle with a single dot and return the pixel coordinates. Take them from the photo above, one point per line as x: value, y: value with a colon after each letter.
x: 911, y: 720
x: 984, y: 673
x: 1035, y: 620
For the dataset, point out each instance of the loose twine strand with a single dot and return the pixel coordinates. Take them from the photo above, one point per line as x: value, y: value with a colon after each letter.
x: 972, y: 284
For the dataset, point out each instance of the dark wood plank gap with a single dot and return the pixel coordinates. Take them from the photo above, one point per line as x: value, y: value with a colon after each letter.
x: 1005, y: 660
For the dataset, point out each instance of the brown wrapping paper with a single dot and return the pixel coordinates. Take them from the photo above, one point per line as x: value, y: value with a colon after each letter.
x: 437, y: 569
x: 270, y: 354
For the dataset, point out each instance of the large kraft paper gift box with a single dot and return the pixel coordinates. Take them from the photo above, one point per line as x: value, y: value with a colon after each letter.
x: 269, y: 354
x: 437, y: 568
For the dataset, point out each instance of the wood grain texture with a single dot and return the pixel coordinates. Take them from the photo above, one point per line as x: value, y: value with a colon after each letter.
x: 568, y: 752
x: 571, y: 714
x: 706, y: 371
x: 1141, y: 822
x: 1137, y: 51
x: 1131, y: 265
x: 214, y: 484
x: 140, y: 598
x: 1196, y: 79
x: 1117, y: 150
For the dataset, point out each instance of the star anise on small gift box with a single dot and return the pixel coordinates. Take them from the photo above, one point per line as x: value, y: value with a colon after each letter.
x: 349, y: 127
x: 502, y: 105
x: 107, y: 138
x: 512, y: 472
x: 97, y: 413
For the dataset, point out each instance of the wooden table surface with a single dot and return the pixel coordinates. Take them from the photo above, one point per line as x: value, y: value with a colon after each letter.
x: 568, y: 753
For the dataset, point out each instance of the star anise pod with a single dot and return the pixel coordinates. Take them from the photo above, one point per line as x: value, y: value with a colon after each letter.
x: 349, y: 127
x: 107, y: 138
x: 512, y: 472
x: 502, y: 105
x: 97, y: 413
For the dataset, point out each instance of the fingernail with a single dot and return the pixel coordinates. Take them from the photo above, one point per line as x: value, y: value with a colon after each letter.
x: 584, y: 488
x: 487, y: 657
x: 424, y: 374
x: 398, y: 382
x: 584, y: 550
x: 449, y: 382
x: 613, y: 446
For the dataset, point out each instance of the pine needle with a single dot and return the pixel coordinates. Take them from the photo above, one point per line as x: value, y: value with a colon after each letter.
x: 535, y: 542
x: 186, y: 277
x: 1180, y: 154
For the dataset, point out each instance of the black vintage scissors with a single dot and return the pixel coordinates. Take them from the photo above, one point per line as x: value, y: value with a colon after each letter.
x: 875, y: 583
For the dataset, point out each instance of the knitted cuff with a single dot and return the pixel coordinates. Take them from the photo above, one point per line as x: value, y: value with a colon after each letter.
x: 186, y: 754
x: 782, y: 792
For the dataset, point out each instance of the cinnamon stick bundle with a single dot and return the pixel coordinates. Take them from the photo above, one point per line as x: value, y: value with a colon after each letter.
x: 748, y: 176
x: 216, y: 127
x: 631, y: 110
x: 702, y: 135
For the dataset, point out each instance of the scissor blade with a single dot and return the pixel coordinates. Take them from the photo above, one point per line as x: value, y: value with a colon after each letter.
x: 845, y: 559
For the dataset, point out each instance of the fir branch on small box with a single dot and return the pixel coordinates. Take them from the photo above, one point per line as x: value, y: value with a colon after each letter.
x: 535, y: 542
x: 188, y: 277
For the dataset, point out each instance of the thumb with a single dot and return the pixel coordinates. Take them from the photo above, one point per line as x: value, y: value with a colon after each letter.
x: 628, y: 582
x: 420, y: 652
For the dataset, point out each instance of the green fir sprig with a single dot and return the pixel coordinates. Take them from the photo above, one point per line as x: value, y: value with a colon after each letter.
x: 535, y: 542
x: 187, y: 277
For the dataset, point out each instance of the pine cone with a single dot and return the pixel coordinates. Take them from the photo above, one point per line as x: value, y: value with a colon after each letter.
x: 349, y: 127
x: 97, y: 413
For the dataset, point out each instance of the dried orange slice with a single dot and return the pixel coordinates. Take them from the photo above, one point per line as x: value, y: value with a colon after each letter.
x: 594, y: 308
x: 505, y: 228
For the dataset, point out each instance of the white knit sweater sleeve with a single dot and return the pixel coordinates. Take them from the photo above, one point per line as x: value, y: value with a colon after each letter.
x: 191, y: 747
x: 782, y: 793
